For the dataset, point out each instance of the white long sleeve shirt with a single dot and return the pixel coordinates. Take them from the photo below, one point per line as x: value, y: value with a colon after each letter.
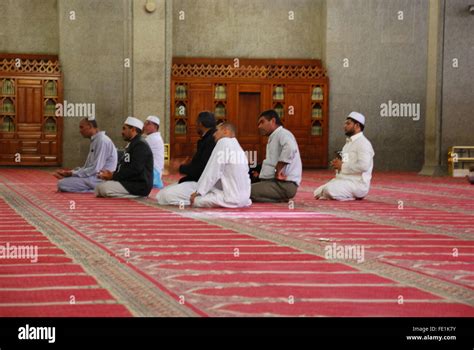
x: 282, y: 147
x: 227, y: 170
x: 158, y: 149
x: 102, y: 155
x: 357, y: 159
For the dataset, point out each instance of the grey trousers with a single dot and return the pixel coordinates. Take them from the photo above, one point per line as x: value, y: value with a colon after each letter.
x: 112, y: 189
x: 78, y: 184
x: 273, y: 191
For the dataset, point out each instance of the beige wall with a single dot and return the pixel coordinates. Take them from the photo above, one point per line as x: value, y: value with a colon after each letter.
x: 92, y: 49
x: 29, y: 26
x: 247, y: 28
x: 386, y: 62
x: 149, y: 67
x: 458, y: 87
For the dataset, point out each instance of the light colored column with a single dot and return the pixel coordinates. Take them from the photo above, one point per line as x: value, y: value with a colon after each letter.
x: 434, y: 86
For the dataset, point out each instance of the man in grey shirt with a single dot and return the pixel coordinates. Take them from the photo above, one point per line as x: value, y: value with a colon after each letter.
x: 102, y: 155
x: 281, y: 171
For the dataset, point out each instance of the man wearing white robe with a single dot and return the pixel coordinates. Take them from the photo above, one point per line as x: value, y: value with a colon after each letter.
x: 151, y: 129
x: 179, y: 193
x: 102, y: 155
x: 225, y: 181
x: 354, y: 166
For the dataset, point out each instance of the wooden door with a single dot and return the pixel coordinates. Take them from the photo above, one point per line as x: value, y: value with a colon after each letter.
x: 30, y: 106
x: 298, y: 119
x: 247, y: 131
x: 200, y: 97
x: 30, y: 115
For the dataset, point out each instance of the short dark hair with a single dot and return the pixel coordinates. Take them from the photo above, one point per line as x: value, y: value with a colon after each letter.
x: 207, y: 119
x: 356, y: 122
x: 92, y: 123
x: 271, y: 114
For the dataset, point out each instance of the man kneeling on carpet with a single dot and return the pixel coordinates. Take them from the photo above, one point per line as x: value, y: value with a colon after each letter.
x: 225, y: 181
x: 178, y: 193
x: 134, y: 174
x: 354, y: 166
x: 281, y: 171
x: 102, y: 155
x: 151, y: 128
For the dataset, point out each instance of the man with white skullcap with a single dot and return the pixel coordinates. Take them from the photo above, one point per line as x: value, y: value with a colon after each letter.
x: 134, y: 174
x: 353, y: 166
x: 102, y: 155
x: 153, y: 137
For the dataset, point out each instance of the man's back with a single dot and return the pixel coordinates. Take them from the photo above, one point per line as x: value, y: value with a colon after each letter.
x: 194, y: 169
x: 157, y: 147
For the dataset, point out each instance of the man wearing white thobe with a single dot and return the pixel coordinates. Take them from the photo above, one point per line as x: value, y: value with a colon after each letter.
x: 354, y: 166
x: 102, y: 155
x: 151, y: 129
x: 179, y: 193
x: 225, y: 181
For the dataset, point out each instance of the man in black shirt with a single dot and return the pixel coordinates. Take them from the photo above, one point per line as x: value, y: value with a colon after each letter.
x: 179, y: 194
x: 134, y: 174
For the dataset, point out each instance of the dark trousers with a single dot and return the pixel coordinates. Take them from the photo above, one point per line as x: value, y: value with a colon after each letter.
x: 273, y: 191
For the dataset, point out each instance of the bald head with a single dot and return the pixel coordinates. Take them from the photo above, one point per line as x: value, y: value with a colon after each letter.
x: 225, y: 130
x: 229, y: 128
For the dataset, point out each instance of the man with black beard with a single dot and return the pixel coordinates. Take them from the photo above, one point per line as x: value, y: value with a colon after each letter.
x: 134, y: 174
x: 353, y: 166
x: 180, y: 193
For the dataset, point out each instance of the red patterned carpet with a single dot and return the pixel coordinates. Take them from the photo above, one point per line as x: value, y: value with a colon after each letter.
x: 118, y: 257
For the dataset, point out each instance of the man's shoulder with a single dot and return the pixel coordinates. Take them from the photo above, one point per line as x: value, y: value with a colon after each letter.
x: 363, y: 140
x: 225, y: 141
x: 103, y: 137
x: 140, y: 145
x: 208, y: 142
x: 156, y: 137
x: 285, y: 134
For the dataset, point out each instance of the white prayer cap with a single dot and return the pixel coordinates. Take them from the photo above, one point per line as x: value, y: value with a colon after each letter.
x: 153, y: 119
x: 132, y: 121
x: 91, y: 118
x: 357, y: 117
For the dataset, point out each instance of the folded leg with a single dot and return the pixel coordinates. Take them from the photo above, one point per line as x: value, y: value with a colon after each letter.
x: 78, y: 184
x: 177, y: 194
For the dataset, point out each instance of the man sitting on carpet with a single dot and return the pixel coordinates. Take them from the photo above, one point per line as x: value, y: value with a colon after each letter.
x: 225, y: 181
x: 102, y: 155
x: 179, y: 194
x: 281, y: 170
x: 151, y: 129
x: 134, y: 174
x: 354, y: 167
